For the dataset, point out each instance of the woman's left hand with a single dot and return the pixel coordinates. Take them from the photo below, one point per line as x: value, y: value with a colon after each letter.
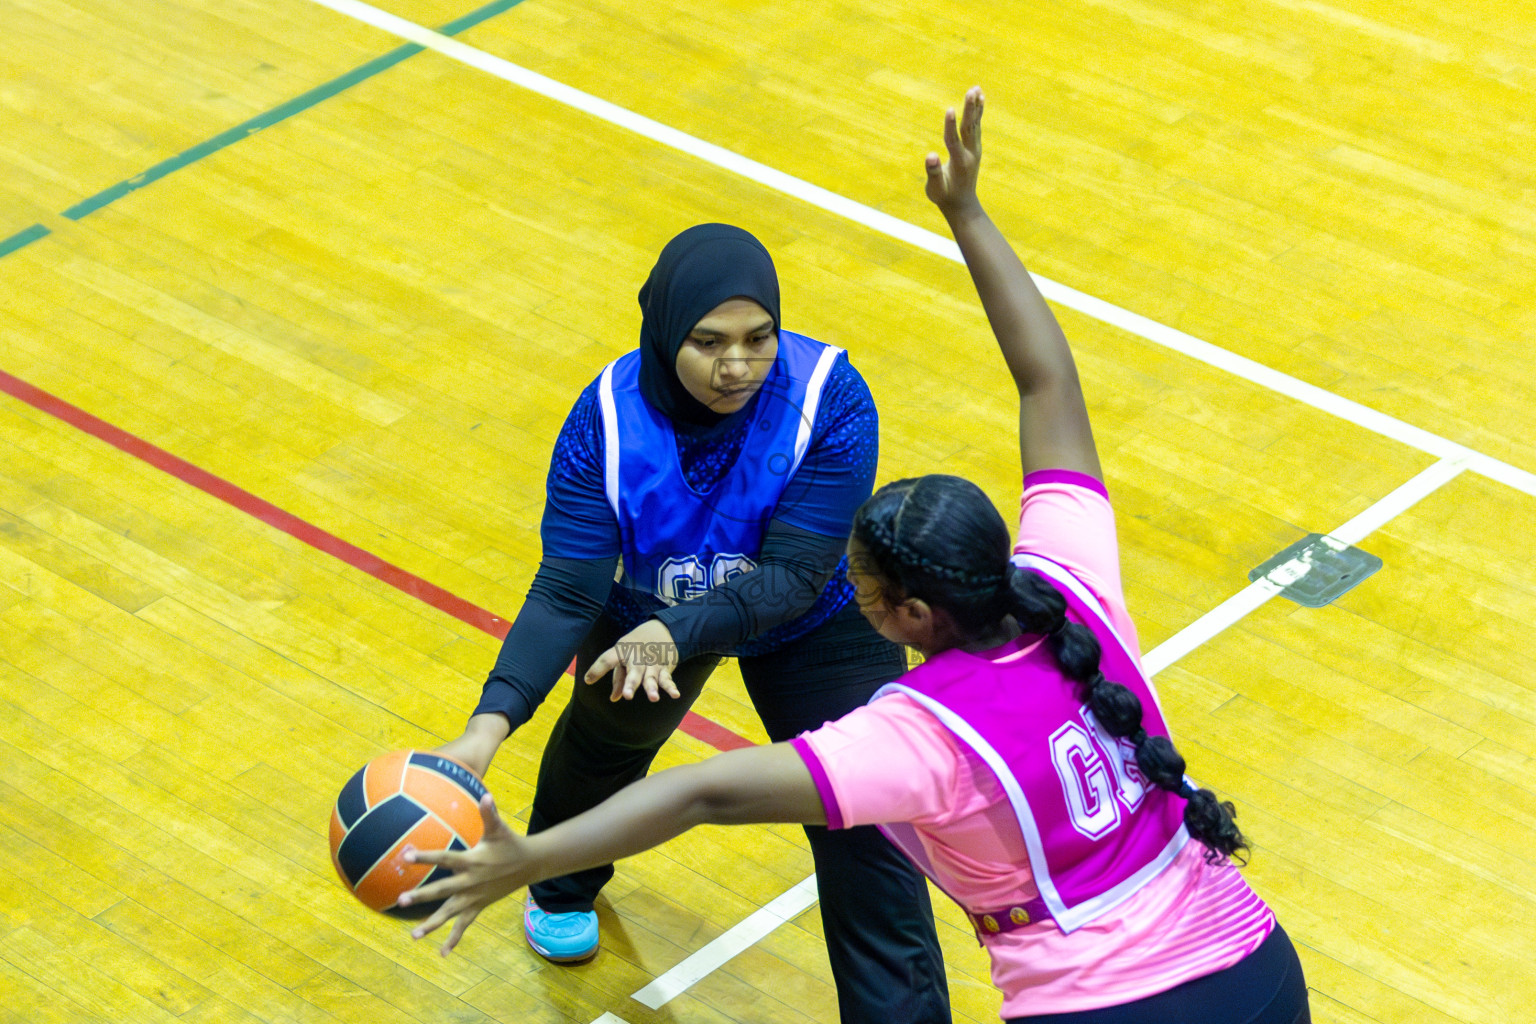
x: 642, y: 658
x: 497, y: 866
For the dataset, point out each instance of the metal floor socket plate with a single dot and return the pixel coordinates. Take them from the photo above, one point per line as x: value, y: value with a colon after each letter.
x: 1316, y: 570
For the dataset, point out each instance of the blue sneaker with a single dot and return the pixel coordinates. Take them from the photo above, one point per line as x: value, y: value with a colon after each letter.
x: 561, y: 938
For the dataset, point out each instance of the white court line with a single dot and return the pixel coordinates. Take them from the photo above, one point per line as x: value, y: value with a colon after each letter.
x: 815, y: 195
x: 610, y: 1018
x: 1251, y: 597
x: 714, y: 954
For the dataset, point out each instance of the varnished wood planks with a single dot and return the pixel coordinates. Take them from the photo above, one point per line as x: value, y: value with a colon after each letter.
x: 376, y: 314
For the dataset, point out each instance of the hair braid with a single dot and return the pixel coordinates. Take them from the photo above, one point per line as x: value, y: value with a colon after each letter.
x: 1118, y: 710
x: 940, y: 539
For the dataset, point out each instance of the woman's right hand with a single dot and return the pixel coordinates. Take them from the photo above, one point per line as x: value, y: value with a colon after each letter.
x: 952, y: 183
x: 478, y: 745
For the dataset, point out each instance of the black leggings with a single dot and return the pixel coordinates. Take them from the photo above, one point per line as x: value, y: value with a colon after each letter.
x: 875, y: 911
x: 1265, y: 987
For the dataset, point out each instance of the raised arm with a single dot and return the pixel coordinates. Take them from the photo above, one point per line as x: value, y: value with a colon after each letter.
x: 1054, y: 432
x: 758, y: 784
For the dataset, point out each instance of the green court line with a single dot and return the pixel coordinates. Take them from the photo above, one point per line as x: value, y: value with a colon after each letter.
x: 21, y: 238
x: 256, y: 124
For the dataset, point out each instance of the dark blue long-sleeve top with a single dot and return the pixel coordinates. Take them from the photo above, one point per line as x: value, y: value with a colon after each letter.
x: 800, y: 581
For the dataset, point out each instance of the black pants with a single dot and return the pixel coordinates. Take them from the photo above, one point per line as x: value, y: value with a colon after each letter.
x: 1265, y: 987
x: 874, y: 905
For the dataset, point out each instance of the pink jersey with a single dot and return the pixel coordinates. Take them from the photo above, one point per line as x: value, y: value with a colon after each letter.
x: 1095, y: 832
x: 895, y: 762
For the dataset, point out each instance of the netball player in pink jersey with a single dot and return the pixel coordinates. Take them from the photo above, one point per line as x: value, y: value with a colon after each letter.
x: 1025, y: 765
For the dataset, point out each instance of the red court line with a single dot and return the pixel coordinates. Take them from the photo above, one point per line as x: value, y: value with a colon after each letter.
x: 695, y: 725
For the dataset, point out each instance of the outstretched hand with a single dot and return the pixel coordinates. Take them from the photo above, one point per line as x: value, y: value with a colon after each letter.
x: 952, y: 182
x: 494, y: 868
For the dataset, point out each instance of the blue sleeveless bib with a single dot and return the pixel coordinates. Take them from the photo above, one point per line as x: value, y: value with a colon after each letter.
x: 678, y: 542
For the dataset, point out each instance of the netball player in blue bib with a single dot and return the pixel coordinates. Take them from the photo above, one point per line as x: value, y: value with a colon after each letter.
x: 698, y: 501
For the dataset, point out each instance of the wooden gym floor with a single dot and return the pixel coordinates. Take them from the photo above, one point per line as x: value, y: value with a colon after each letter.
x: 341, y: 319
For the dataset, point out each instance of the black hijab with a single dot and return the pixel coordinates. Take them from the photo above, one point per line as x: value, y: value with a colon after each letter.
x: 698, y: 270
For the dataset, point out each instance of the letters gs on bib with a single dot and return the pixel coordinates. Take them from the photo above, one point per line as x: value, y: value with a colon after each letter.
x: 1098, y: 774
x: 682, y: 579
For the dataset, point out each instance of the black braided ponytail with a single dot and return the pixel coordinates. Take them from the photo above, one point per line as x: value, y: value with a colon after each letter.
x: 1038, y: 607
x: 940, y: 539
